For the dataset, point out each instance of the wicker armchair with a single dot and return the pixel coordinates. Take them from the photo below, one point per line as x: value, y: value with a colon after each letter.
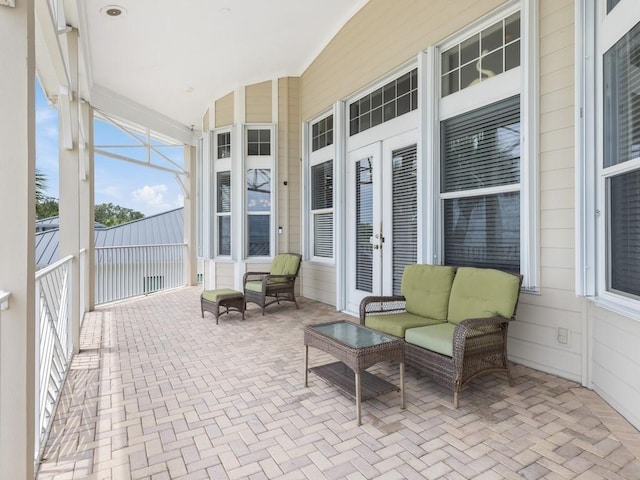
x: 275, y: 286
x: 470, y: 340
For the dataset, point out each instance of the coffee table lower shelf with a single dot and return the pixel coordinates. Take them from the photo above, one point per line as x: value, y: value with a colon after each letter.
x: 341, y: 376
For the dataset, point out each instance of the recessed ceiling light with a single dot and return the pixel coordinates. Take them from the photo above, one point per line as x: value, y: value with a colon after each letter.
x: 113, y: 11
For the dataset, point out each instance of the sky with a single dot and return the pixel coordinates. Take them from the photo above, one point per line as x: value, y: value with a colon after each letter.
x: 137, y: 187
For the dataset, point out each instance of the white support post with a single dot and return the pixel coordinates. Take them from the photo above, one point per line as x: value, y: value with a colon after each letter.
x: 86, y: 210
x: 17, y: 251
x: 190, y: 211
x: 69, y: 163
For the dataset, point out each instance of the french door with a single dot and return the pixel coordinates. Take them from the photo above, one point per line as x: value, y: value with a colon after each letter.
x: 382, y: 216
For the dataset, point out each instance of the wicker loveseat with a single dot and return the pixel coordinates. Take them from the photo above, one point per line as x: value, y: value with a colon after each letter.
x: 454, y: 320
x: 275, y: 286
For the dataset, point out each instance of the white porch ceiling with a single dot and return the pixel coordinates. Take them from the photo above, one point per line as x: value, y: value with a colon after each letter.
x: 174, y: 58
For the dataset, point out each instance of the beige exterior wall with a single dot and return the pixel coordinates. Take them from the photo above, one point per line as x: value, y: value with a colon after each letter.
x: 534, y: 336
x: 258, y: 99
x: 382, y: 36
x: 225, y: 275
x: 616, y: 361
x: 289, y: 165
x: 224, y: 110
x: 319, y: 283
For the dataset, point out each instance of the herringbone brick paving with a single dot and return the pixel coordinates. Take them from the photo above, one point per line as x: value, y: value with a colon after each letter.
x: 159, y: 393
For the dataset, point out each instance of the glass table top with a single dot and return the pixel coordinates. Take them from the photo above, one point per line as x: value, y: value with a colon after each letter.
x: 353, y: 335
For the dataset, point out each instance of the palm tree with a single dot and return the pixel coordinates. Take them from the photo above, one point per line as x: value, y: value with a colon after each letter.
x: 41, y: 185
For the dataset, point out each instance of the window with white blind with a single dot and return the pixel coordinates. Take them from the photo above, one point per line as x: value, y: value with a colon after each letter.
x: 223, y: 212
x: 480, y: 185
x: 321, y: 183
x: 322, y: 209
x: 620, y: 170
x: 258, y: 191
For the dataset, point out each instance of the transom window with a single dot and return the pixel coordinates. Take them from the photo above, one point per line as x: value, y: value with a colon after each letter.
x: 396, y: 98
x: 259, y: 142
x: 322, y: 133
x: 486, y: 54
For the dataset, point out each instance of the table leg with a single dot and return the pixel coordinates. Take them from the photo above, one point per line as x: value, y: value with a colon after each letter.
x: 306, y: 365
x: 358, y: 398
x: 402, y: 385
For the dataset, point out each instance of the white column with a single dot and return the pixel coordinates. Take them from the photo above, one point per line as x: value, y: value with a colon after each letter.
x: 86, y: 194
x: 190, y: 210
x: 69, y: 168
x: 17, y: 239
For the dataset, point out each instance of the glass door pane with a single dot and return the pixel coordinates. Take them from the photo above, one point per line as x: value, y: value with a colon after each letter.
x: 404, y: 211
x: 364, y: 225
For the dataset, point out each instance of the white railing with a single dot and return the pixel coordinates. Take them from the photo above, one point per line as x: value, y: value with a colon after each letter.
x: 124, y: 272
x: 53, y: 342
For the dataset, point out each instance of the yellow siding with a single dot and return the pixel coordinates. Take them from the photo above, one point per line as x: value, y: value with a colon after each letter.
x: 258, y: 100
x: 382, y: 36
x: 224, y: 110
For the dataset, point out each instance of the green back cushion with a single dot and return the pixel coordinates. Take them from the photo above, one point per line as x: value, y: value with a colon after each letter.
x: 426, y: 289
x: 481, y: 293
x: 285, y: 264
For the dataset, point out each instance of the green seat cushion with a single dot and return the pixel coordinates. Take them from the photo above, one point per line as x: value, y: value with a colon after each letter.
x: 426, y: 289
x: 437, y: 338
x: 397, y: 323
x: 214, y: 295
x: 481, y: 293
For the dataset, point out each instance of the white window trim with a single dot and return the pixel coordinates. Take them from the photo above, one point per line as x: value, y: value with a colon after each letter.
x: 609, y: 28
x: 521, y: 80
x: 251, y: 162
x: 310, y: 160
x: 221, y: 165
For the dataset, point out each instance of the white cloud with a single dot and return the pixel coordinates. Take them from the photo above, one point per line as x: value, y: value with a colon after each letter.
x: 151, y: 195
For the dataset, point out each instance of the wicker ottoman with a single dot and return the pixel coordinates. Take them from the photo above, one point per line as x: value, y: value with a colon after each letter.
x: 230, y: 300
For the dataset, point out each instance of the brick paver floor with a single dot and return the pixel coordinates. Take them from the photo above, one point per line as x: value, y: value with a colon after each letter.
x: 159, y: 393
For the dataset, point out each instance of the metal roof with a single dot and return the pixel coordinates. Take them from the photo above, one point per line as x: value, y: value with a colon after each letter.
x: 162, y: 228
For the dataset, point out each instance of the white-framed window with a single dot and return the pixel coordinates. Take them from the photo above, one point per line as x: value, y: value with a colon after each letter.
x: 617, y: 157
x: 485, y: 210
x: 321, y: 188
x: 259, y: 188
x: 222, y: 166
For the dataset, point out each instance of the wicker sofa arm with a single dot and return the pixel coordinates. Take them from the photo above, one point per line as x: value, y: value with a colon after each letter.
x: 478, y: 334
x: 254, y: 276
x: 377, y: 305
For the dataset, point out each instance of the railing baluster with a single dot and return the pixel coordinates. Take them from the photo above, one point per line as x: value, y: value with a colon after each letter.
x: 129, y: 271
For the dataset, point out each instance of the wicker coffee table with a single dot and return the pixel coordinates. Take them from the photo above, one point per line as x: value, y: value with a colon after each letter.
x: 357, y: 348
